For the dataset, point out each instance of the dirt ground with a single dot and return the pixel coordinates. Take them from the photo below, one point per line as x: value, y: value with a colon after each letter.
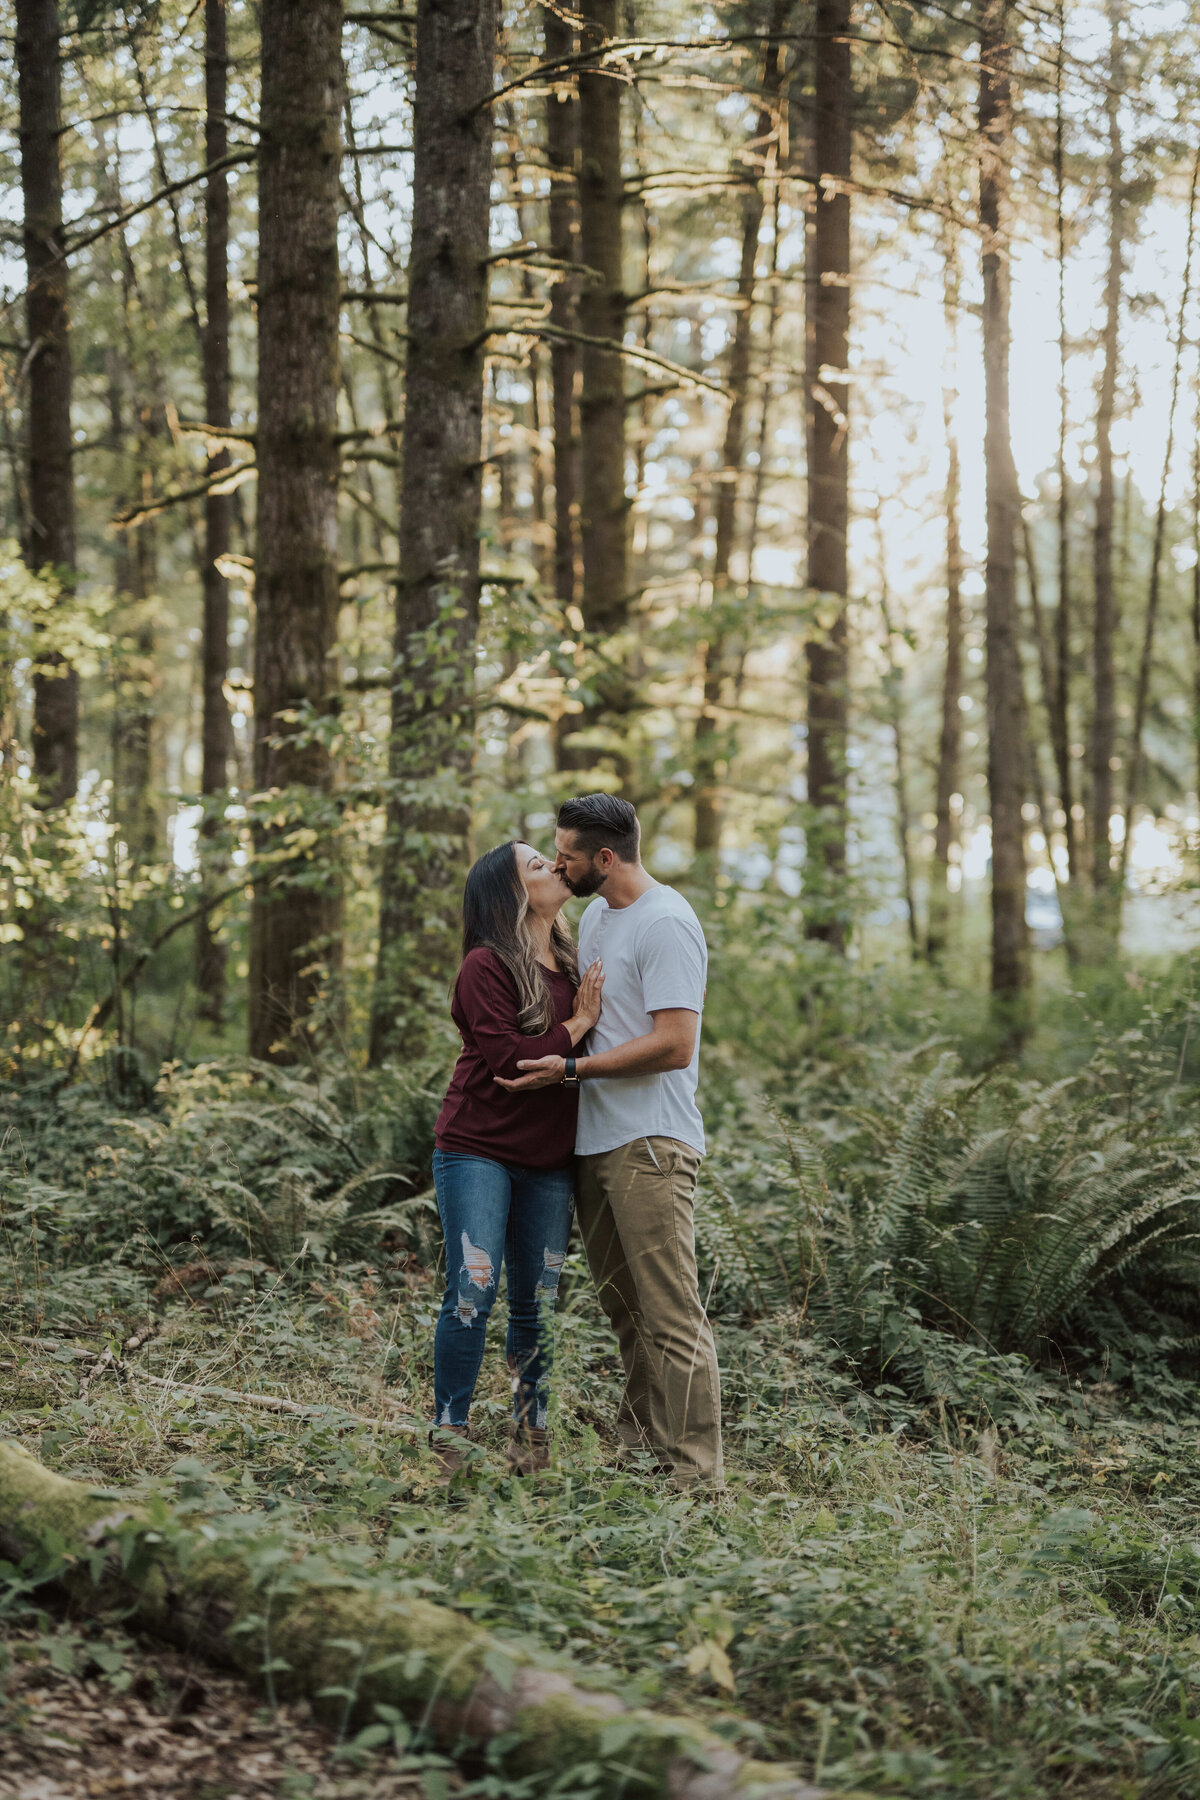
x: 89, y: 1715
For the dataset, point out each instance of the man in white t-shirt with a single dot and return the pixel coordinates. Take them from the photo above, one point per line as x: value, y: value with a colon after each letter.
x: 640, y: 1137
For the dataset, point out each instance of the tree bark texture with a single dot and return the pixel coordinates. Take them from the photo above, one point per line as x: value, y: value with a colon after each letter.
x: 1006, y: 758
x: 51, y: 533
x: 295, y: 914
x: 437, y: 601
x: 215, y: 727
x: 1061, y: 707
x: 949, y: 763
x: 604, y: 508
x: 562, y: 154
x: 828, y: 329
x: 302, y: 1628
x: 1103, y: 737
x: 708, y: 749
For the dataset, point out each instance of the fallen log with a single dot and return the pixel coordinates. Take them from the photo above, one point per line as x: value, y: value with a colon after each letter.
x: 299, y: 1626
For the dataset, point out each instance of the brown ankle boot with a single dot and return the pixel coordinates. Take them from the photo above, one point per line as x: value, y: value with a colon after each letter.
x: 451, y: 1448
x: 528, y: 1449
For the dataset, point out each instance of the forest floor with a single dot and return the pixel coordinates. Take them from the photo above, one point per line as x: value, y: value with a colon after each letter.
x: 893, y: 1600
x: 88, y: 1711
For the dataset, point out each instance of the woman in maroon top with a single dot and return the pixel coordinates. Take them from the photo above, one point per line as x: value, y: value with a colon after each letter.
x: 502, y: 1166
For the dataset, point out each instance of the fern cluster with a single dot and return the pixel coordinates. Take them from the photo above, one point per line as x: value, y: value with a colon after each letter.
x: 1022, y: 1220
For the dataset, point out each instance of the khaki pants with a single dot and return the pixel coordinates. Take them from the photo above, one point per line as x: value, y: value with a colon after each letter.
x: 635, y: 1207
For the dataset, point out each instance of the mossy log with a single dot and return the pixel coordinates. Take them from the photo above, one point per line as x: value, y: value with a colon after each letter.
x: 296, y: 1625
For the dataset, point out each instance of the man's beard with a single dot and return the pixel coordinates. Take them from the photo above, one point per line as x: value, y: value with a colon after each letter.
x: 586, y: 885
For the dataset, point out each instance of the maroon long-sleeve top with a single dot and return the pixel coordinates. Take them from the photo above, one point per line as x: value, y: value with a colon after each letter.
x: 478, y: 1116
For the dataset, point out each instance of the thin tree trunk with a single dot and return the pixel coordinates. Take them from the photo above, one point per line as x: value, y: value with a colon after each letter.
x: 604, y: 508
x: 437, y: 602
x: 1196, y: 590
x: 1060, y: 706
x: 706, y: 746
x: 1145, y: 661
x: 949, y: 764
x: 295, y: 913
x: 1006, y: 760
x: 51, y: 537
x: 215, y: 729
x: 1102, y: 745
x: 1037, y: 783
x: 561, y: 40
x: 895, y: 716
x: 828, y: 327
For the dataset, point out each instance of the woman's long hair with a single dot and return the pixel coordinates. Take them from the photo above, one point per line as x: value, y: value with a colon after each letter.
x: 496, y: 918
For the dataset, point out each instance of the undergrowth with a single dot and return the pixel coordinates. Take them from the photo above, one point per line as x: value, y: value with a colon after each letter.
x: 955, y: 1313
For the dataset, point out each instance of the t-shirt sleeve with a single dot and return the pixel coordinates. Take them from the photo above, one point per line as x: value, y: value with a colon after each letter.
x: 672, y: 963
x: 486, y: 1002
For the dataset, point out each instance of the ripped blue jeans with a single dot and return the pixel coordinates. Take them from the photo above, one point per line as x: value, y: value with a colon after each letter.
x: 493, y: 1211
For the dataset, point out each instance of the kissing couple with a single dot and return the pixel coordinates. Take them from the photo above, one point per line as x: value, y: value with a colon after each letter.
x: 576, y: 1093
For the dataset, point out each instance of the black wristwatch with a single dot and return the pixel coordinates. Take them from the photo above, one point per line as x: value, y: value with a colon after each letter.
x: 570, y: 1073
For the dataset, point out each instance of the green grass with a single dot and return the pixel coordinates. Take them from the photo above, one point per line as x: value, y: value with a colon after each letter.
x: 896, y: 1600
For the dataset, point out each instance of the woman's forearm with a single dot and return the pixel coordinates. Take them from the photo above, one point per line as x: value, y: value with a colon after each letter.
x: 577, y: 1028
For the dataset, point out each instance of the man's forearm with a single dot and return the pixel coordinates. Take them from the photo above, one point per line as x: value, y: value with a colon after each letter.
x: 649, y: 1055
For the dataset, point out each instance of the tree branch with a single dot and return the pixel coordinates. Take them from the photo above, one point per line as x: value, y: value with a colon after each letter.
x: 163, y: 193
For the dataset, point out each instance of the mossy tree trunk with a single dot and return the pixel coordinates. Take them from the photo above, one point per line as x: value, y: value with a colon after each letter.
x: 437, y: 596
x: 293, y: 1623
x: 50, y: 540
x: 295, y: 914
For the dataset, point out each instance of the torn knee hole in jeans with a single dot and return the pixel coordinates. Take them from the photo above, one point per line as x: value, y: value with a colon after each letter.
x: 465, y: 1312
x: 552, y: 1262
x: 477, y: 1265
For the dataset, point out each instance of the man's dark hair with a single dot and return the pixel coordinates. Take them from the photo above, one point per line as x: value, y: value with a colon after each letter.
x: 601, y: 822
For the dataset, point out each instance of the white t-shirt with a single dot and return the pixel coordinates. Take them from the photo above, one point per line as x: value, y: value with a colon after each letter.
x: 654, y: 957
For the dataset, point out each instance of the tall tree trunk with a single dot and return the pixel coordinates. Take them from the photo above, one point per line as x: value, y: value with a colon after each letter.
x: 561, y: 41
x: 1103, y: 737
x: 51, y: 536
x: 295, y: 913
x: 1060, y: 710
x: 1145, y: 661
x: 437, y: 603
x: 134, y: 724
x: 1006, y: 760
x: 215, y: 728
x: 894, y: 696
x: 562, y: 153
x: 604, y: 509
x: 134, y: 668
x: 706, y: 748
x: 949, y: 764
x: 828, y: 328
x: 1196, y: 590
x: 1036, y: 780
